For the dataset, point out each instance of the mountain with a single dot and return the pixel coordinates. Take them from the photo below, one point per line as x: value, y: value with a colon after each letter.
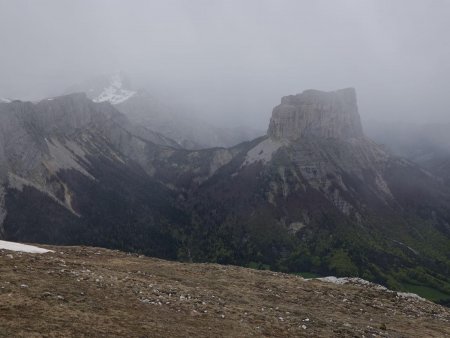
x: 316, y: 195
x: 92, y: 292
x: 146, y: 110
x: 71, y: 172
x: 313, y: 195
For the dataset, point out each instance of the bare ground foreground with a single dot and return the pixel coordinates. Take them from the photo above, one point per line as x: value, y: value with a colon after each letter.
x: 91, y: 292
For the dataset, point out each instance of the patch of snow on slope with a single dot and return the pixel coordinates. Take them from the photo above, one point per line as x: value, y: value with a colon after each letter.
x: 115, y: 93
x: 409, y: 295
x: 5, y: 100
x: 263, y: 151
x: 13, y: 246
x: 360, y: 281
x: 345, y: 280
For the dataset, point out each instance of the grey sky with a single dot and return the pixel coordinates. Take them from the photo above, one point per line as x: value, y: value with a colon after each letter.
x: 233, y: 60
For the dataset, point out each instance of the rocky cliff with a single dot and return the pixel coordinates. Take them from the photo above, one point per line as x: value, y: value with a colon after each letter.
x: 316, y: 113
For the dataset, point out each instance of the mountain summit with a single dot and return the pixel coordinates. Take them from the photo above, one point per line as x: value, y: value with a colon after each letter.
x: 115, y: 92
x: 114, y: 88
x: 317, y: 113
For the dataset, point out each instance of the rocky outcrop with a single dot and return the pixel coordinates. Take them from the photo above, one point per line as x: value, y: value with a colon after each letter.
x: 316, y: 113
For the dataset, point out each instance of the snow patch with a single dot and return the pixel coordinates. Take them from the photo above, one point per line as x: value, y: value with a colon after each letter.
x: 262, y: 152
x: 5, y: 100
x: 410, y: 295
x: 13, y: 246
x: 360, y: 281
x: 114, y: 93
x: 345, y: 280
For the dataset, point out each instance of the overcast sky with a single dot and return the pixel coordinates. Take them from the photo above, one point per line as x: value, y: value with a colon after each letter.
x: 233, y: 60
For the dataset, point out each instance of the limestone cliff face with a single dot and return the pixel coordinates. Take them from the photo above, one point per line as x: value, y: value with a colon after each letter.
x: 316, y: 113
x: 323, y: 135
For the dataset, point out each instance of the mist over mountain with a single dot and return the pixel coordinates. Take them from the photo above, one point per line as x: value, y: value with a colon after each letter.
x: 304, y: 138
x: 233, y: 60
x: 426, y: 144
x: 143, y: 108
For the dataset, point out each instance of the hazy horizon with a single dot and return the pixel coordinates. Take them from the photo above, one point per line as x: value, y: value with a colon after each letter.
x: 232, y: 61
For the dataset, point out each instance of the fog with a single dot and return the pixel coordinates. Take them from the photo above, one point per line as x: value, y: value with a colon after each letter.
x: 232, y: 61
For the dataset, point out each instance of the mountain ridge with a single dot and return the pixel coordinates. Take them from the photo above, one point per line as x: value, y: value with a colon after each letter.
x: 328, y: 205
